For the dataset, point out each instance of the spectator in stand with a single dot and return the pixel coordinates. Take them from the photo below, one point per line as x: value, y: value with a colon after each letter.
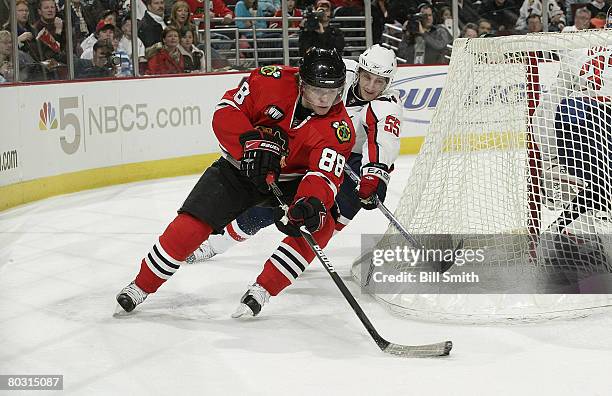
x: 113, y: 5
x: 104, y: 31
x: 244, y: 9
x: 25, y: 31
x: 424, y: 43
x: 570, y: 6
x: 470, y: 30
x: 6, y: 59
x: 5, y: 12
x: 291, y: 12
x: 113, y: 35
x: 125, y: 44
x: 218, y: 8
x: 166, y: 58
x: 445, y: 18
x: 193, y: 57
x: 502, y: 13
x: 6, y: 64
x: 100, y: 65
x: 107, y: 18
x: 321, y: 33
x: 380, y: 16
x: 556, y: 17
x: 484, y: 27
x: 534, y: 24
x: 152, y: 24
x: 50, y: 35
x: 38, y: 68
x: 83, y: 23
x: 180, y: 18
x: 141, y: 9
x: 582, y: 20
x: 467, y: 12
x: 268, y: 7
x: 121, y: 57
x: 598, y: 6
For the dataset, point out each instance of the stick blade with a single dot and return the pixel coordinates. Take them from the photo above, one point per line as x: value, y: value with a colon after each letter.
x: 430, y: 350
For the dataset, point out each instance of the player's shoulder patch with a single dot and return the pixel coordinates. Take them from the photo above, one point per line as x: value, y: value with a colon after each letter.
x: 342, y: 131
x: 271, y: 71
x: 274, y: 112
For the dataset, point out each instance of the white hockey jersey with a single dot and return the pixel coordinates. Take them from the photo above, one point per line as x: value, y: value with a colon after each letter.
x: 377, y: 123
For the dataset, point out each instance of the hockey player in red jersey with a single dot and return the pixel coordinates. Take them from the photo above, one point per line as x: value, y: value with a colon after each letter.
x: 375, y: 112
x: 376, y: 115
x: 284, y: 125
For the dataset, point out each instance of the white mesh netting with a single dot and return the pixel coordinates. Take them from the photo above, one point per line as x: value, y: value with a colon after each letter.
x: 517, y: 159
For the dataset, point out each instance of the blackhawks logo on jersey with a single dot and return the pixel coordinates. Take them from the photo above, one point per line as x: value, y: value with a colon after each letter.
x: 343, y: 132
x: 271, y: 71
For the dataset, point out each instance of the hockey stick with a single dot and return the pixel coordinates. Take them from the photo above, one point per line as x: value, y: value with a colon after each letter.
x: 430, y: 350
x: 385, y: 211
x: 445, y: 265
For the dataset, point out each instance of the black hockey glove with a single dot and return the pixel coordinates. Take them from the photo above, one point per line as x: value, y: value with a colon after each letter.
x: 261, y: 157
x: 309, y: 212
x: 374, y: 179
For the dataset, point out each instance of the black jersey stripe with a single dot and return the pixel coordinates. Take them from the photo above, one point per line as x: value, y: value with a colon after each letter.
x: 158, y: 267
x: 292, y: 257
x: 285, y: 265
x: 168, y: 263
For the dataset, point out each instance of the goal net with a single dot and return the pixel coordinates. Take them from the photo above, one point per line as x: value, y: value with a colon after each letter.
x: 517, y: 161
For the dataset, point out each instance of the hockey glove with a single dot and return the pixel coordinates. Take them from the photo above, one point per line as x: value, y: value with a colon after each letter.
x: 261, y: 156
x: 308, y: 212
x: 374, y: 179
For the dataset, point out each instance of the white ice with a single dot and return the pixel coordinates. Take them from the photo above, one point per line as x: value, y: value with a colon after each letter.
x: 62, y: 260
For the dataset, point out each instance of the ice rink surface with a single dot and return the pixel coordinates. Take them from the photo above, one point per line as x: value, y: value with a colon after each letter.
x: 62, y: 260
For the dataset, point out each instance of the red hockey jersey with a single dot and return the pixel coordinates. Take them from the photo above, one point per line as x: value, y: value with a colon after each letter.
x: 318, y: 146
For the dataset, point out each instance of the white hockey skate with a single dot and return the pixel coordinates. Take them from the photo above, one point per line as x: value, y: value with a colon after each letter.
x: 252, y: 301
x: 130, y: 296
x: 203, y: 253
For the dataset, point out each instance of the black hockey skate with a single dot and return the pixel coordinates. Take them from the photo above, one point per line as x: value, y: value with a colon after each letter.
x: 252, y: 301
x: 130, y: 296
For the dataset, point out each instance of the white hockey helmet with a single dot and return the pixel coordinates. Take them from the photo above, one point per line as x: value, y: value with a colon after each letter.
x: 380, y: 61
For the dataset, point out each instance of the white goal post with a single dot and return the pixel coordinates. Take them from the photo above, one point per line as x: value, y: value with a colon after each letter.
x: 517, y: 159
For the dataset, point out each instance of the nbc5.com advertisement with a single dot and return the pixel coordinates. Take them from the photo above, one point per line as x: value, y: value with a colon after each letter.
x: 11, y: 159
x: 100, y: 124
x: 54, y: 129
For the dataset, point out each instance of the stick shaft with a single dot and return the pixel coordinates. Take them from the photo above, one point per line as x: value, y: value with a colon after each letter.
x: 398, y: 226
x: 382, y: 343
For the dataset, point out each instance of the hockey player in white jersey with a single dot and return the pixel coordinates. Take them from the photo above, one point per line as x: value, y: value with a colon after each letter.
x: 376, y: 113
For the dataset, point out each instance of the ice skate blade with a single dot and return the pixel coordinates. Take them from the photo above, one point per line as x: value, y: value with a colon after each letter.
x: 243, y: 310
x: 120, y: 312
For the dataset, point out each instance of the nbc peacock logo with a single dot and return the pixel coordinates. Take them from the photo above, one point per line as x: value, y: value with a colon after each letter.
x: 47, y: 117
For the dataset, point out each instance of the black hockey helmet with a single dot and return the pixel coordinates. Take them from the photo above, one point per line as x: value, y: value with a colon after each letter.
x: 322, y: 68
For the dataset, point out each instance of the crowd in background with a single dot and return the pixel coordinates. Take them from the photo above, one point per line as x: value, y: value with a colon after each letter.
x: 170, y: 32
